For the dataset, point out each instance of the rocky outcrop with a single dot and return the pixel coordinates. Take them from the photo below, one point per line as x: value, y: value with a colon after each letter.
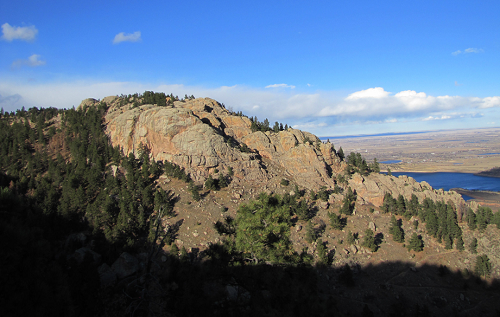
x: 372, y: 189
x: 202, y: 136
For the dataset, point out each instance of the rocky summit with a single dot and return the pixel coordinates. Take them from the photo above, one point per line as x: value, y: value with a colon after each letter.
x: 203, y: 137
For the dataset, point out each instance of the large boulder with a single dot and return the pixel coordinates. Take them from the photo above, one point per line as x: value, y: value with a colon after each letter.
x: 125, y: 265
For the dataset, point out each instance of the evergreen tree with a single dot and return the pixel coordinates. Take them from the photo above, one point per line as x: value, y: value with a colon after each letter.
x: 416, y: 244
x: 496, y: 219
x: 222, y: 181
x: 351, y: 239
x: 470, y: 217
x: 276, y: 127
x: 432, y: 224
x: 369, y: 240
x: 335, y: 221
x: 375, y: 167
x: 310, y: 232
x: 448, y: 241
x: 348, y: 202
x: 322, y: 254
x: 483, y: 265
x: 396, y: 230
x: 340, y: 154
x: 459, y: 244
x: 473, y: 246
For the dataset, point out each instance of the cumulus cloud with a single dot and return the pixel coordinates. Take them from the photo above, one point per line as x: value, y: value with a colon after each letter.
x: 377, y: 93
x: 281, y: 86
x: 314, y: 112
x: 32, y: 61
x: 23, y: 33
x: 468, y: 51
x: 376, y: 102
x: 124, y: 37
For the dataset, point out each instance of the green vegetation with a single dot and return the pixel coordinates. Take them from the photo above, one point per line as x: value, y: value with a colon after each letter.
x: 416, y: 243
x: 256, y: 125
x: 336, y: 221
x: 369, y: 240
x: 351, y: 237
x: 348, y: 203
x: 396, y: 231
x: 483, y: 265
x: 440, y: 218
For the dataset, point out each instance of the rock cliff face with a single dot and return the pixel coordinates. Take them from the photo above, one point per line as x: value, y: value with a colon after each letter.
x: 202, y: 136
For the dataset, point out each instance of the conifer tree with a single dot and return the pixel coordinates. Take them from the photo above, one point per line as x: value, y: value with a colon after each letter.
x: 310, y: 233
x: 369, y: 240
x: 483, y: 265
x: 448, y: 241
x: 322, y: 254
x: 473, y: 246
x: 459, y: 244
x: 350, y: 237
x: 415, y: 243
x: 335, y: 221
x: 396, y: 230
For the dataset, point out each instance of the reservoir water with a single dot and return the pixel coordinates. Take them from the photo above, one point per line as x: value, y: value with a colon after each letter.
x: 447, y: 181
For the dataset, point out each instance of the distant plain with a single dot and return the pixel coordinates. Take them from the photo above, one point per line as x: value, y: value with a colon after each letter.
x: 458, y: 151
x: 461, y: 151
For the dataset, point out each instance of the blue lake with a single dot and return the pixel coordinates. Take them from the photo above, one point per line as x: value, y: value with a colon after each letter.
x: 447, y: 181
x: 391, y: 162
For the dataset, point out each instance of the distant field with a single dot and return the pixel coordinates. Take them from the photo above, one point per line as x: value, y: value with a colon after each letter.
x: 465, y: 151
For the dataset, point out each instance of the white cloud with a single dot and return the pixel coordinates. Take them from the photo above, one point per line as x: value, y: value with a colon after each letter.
x: 320, y: 112
x: 489, y: 102
x: 377, y: 93
x: 123, y: 37
x: 24, y: 33
x: 32, y: 61
x: 281, y: 86
x: 443, y: 117
x: 468, y: 51
x: 473, y: 50
x: 457, y: 84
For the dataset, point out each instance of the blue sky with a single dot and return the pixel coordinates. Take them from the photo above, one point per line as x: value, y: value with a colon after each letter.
x: 328, y: 67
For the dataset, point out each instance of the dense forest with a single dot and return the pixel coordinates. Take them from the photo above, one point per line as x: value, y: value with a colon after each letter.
x: 70, y: 201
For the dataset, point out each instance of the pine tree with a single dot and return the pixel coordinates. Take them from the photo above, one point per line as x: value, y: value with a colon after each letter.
x: 310, y: 232
x: 483, y: 265
x: 335, y: 221
x: 396, y: 231
x: 350, y: 237
x: 473, y: 246
x: 369, y: 240
x: 322, y: 254
x: 340, y: 154
x: 415, y: 243
x: 448, y: 241
x: 459, y: 244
